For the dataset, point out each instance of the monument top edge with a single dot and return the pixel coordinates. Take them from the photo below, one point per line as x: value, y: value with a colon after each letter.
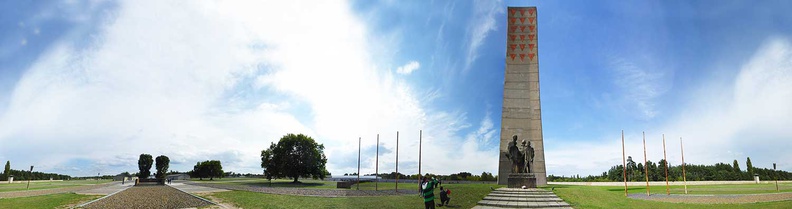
x: 521, y: 7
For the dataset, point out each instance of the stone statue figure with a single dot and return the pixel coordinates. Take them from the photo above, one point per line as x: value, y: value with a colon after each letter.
x: 516, y: 156
x: 529, y: 156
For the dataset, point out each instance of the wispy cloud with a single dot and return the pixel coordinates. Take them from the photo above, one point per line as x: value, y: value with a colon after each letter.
x: 481, y: 24
x: 727, y: 121
x: 408, y: 68
x: 640, y: 81
x: 209, y: 73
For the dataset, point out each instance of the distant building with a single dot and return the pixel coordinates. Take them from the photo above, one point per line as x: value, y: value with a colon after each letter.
x: 120, y: 177
x: 180, y: 176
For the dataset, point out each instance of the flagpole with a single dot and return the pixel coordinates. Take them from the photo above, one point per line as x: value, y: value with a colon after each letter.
x: 397, y: 161
x: 684, y: 176
x: 668, y: 192
x: 646, y: 168
x: 376, y: 168
x: 624, y: 166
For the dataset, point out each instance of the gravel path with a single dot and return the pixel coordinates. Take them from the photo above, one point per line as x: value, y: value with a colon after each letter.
x: 28, y: 193
x: 716, y: 199
x: 149, y: 197
x: 309, y: 192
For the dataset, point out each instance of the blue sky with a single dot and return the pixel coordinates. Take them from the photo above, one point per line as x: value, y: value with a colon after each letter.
x: 85, y: 87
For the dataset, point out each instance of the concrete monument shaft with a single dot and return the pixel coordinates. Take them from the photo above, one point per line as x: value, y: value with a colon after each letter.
x: 521, y: 106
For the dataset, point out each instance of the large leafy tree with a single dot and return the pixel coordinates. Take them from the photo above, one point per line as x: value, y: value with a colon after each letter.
x: 294, y: 156
x: 7, y: 171
x: 162, y: 166
x: 208, y: 169
x: 144, y: 164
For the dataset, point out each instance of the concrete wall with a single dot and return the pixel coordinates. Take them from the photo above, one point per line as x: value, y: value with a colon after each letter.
x: 522, y: 115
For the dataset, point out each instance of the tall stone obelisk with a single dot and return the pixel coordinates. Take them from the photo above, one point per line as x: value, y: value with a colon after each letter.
x: 521, y: 107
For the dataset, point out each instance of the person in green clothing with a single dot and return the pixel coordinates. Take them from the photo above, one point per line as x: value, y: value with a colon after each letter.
x: 428, y: 192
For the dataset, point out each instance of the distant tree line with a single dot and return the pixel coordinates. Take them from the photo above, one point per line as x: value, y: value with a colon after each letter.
x: 656, y: 171
x: 461, y: 176
x: 26, y: 175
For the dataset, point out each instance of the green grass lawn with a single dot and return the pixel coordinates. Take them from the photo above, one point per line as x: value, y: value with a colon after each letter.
x: 462, y: 196
x: 467, y: 195
x: 47, y: 185
x: 613, y: 197
x: 62, y: 200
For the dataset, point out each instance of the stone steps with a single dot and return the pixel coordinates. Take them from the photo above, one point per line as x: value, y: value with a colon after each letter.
x: 521, y: 198
x: 525, y: 199
x: 517, y: 195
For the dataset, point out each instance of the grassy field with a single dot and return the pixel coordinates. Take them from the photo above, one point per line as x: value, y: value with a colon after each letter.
x: 466, y: 196
x: 613, y: 197
x: 62, y: 200
x: 462, y: 196
x: 35, y: 185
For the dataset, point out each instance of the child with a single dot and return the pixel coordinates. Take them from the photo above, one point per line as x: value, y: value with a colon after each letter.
x: 444, y: 198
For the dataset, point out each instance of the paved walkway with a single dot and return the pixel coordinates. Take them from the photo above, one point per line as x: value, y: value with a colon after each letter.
x: 107, y: 189
x: 195, y: 189
x: 716, y: 199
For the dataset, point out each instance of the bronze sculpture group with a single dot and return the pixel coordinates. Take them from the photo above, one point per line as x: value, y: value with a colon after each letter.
x: 521, y: 157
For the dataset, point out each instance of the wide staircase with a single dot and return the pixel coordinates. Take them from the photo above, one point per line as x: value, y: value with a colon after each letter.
x: 521, y: 198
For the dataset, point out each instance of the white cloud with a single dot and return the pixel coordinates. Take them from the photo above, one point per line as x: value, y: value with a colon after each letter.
x: 640, y: 82
x: 221, y: 80
x: 408, y: 68
x: 482, y: 23
x: 748, y: 117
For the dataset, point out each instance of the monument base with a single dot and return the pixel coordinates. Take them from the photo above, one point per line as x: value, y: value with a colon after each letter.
x: 517, y: 180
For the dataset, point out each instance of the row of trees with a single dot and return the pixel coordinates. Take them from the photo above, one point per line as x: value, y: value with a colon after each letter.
x: 144, y: 165
x: 27, y: 175
x: 717, y: 172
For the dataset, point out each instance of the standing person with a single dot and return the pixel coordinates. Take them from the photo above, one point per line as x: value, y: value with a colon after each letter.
x: 428, y: 193
x: 444, y: 197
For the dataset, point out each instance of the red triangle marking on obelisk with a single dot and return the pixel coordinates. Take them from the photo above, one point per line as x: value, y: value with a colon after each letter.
x: 522, y: 37
x: 530, y: 47
x: 531, y: 11
x: 522, y: 47
x: 531, y: 55
x: 513, y: 37
x: 513, y: 28
x: 522, y: 28
x: 522, y: 12
x: 522, y: 56
x: 522, y: 20
x: 531, y: 20
x: 512, y: 56
x: 512, y: 20
x: 532, y: 28
x: 513, y: 46
x: 531, y: 37
x: 512, y: 11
